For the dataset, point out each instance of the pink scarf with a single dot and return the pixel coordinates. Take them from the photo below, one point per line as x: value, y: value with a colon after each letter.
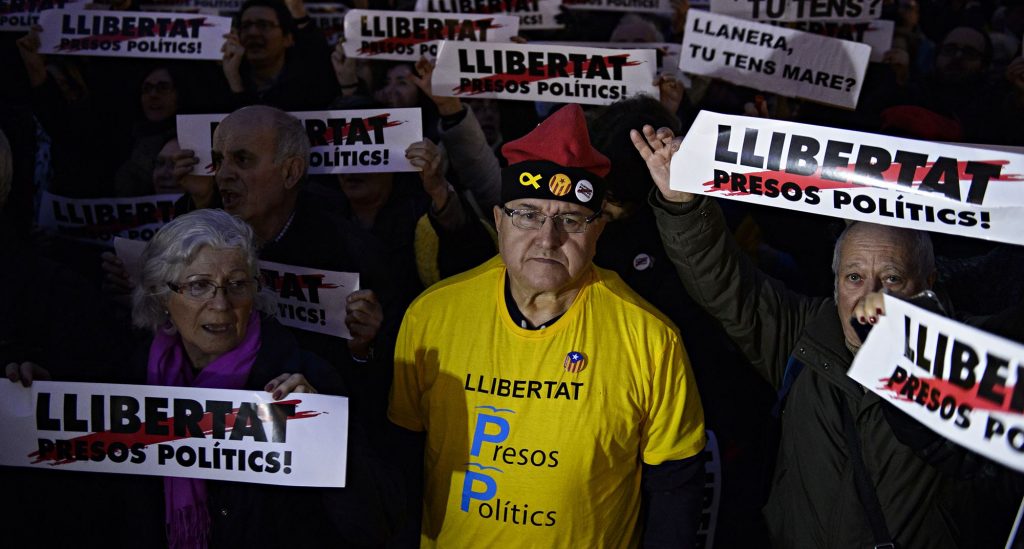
x: 188, y: 519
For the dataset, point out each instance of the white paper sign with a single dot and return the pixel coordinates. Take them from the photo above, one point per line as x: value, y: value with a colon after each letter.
x: 357, y: 141
x: 310, y: 299
x: 667, y: 53
x: 213, y: 434
x: 955, y: 189
x: 877, y: 33
x: 405, y: 36
x: 659, y: 7
x: 133, y: 34
x: 130, y: 254
x: 533, y: 14
x: 800, y: 10
x: 19, y: 15
x: 963, y: 383
x: 99, y: 220
x: 775, y: 59
x: 555, y: 74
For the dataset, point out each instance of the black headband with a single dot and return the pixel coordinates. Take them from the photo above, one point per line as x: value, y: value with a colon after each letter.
x: 549, y: 181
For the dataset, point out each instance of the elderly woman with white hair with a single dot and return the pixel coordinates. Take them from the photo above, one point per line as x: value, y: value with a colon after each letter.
x: 212, y: 327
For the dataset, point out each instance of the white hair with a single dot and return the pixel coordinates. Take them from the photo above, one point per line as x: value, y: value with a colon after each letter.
x: 175, y: 246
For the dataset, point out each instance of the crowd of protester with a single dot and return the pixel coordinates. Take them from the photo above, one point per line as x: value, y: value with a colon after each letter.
x: 100, y: 127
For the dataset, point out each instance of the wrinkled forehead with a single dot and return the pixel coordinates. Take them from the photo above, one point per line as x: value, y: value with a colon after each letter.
x: 878, y: 245
x: 243, y: 127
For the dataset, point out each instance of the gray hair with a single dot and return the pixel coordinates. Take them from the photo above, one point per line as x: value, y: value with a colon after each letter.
x: 923, y: 254
x: 174, y: 247
x: 6, y: 169
x: 290, y: 134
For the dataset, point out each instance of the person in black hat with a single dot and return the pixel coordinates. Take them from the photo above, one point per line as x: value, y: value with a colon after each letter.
x: 556, y: 402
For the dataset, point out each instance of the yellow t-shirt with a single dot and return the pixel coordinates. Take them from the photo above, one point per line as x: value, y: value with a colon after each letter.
x: 535, y: 437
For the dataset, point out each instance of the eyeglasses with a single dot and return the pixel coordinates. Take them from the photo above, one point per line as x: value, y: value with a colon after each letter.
x: 531, y: 220
x: 262, y: 25
x: 159, y: 87
x: 967, y: 52
x: 202, y: 290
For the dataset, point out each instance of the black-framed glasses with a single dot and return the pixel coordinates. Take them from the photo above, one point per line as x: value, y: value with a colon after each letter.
x: 202, y: 290
x: 159, y: 87
x: 532, y: 220
x: 262, y: 25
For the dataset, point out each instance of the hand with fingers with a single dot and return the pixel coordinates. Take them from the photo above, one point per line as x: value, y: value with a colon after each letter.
x: 363, y: 316
x: 426, y: 156
x: 26, y: 372
x: 286, y: 384
x: 672, y: 91
x: 231, y: 62
x: 344, y: 69
x: 657, y: 148
x: 35, y: 64
x: 424, y: 79
x: 117, y: 284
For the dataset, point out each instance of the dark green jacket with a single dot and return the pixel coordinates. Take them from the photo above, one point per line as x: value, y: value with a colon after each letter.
x: 813, y: 501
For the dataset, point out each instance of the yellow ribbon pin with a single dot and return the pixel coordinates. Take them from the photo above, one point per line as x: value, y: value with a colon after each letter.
x: 527, y: 178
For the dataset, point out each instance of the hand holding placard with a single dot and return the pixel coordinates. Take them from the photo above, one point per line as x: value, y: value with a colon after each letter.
x: 657, y: 148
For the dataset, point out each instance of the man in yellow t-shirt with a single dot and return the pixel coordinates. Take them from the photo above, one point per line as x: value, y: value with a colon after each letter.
x: 554, y: 400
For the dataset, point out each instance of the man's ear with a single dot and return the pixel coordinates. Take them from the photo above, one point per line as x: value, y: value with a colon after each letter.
x: 292, y: 170
x: 498, y: 212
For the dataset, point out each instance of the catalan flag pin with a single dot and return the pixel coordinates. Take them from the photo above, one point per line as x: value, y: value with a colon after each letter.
x: 574, y: 362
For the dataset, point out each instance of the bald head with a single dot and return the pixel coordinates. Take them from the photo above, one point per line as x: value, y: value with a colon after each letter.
x: 871, y: 258
x: 261, y: 155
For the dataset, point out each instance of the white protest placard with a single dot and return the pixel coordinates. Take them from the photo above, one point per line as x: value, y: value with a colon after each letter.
x: 405, y: 36
x: 774, y: 59
x: 667, y: 53
x: 877, y: 33
x: 963, y: 383
x: 356, y: 141
x: 658, y: 7
x: 954, y: 189
x: 133, y: 34
x: 800, y: 10
x: 556, y: 74
x: 330, y: 19
x: 99, y: 220
x: 533, y: 14
x: 212, y: 434
x: 310, y: 299
x: 19, y: 15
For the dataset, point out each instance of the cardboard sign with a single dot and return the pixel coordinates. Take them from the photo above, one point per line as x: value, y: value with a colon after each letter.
x: 555, y: 74
x: 358, y: 141
x: 877, y: 33
x: 222, y: 7
x: 330, y: 19
x: 963, y: 383
x: 659, y: 7
x: 533, y: 14
x: 405, y: 36
x: 213, y: 434
x: 99, y: 220
x: 955, y: 189
x: 310, y: 299
x: 800, y: 10
x: 19, y: 15
x: 775, y: 59
x: 133, y: 34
